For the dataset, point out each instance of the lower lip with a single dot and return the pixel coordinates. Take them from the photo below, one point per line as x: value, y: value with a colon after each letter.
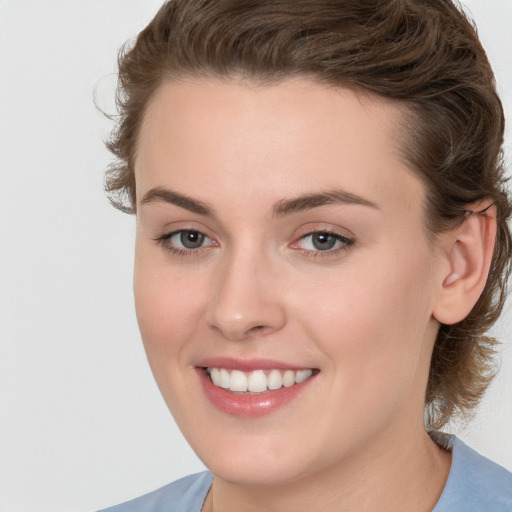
x: 247, y: 405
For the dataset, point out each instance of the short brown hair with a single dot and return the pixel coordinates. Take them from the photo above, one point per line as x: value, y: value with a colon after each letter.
x: 422, y: 53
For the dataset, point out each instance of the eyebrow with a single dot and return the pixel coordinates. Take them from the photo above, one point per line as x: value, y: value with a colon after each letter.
x: 281, y: 208
x: 165, y: 195
x: 306, y: 202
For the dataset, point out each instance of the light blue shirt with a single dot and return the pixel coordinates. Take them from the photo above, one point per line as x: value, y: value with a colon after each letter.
x: 475, y: 484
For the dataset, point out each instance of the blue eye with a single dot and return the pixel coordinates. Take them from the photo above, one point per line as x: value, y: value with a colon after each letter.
x: 323, y: 241
x: 185, y: 241
x: 188, y: 239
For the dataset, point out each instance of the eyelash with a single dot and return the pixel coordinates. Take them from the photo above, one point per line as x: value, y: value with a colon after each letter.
x: 164, y: 241
x: 344, y: 243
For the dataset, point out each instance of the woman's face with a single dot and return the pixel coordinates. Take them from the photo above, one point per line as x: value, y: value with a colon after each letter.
x: 280, y: 237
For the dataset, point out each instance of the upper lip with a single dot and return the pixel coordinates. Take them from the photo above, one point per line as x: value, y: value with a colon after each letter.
x: 247, y: 365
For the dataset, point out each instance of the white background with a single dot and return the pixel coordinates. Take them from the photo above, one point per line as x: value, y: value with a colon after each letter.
x: 82, y: 425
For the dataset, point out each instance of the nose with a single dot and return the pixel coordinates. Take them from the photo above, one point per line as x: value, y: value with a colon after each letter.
x: 246, y: 301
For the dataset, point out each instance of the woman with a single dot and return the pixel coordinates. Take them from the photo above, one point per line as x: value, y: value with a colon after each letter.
x: 321, y: 247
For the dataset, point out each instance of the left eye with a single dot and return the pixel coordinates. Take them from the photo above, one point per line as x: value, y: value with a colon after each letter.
x: 323, y: 241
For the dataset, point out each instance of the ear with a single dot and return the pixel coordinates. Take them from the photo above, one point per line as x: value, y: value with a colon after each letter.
x: 467, y: 251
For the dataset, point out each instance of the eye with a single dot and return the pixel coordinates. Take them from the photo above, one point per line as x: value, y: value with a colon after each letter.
x: 320, y: 241
x: 188, y: 239
x: 323, y: 241
x: 185, y: 241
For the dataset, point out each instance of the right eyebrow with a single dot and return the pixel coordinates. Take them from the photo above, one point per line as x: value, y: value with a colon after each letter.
x: 160, y: 194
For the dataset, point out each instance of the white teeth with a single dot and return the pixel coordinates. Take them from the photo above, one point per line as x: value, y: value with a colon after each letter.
x: 288, y: 378
x: 237, y: 381
x: 224, y: 379
x: 274, y: 380
x: 215, y: 376
x: 302, y: 375
x: 257, y: 381
x: 220, y: 377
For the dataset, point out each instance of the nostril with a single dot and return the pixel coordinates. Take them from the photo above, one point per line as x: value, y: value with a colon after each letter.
x: 260, y: 330
x: 239, y: 311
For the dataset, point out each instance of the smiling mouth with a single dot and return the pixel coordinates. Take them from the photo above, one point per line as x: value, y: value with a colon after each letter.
x: 257, y: 381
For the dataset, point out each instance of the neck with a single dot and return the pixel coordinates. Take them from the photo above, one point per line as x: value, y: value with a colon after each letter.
x: 408, y: 474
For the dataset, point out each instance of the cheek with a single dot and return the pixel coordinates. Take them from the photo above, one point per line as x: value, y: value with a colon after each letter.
x: 168, y: 313
x: 168, y: 305
x: 372, y: 321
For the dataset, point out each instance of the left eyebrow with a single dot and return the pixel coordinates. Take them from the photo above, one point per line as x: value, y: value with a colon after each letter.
x: 308, y: 201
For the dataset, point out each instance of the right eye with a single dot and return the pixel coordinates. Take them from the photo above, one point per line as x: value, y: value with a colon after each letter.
x: 185, y: 241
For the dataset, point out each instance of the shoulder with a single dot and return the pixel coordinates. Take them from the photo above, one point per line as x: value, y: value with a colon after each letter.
x: 475, y: 483
x: 184, y: 495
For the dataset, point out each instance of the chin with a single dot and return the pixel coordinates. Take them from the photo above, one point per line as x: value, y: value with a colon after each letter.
x: 248, y: 472
x: 266, y: 457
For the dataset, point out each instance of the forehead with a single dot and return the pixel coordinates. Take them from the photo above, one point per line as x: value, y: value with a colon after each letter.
x: 240, y: 138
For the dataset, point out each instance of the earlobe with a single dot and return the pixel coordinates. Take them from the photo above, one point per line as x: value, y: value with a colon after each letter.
x: 468, y: 250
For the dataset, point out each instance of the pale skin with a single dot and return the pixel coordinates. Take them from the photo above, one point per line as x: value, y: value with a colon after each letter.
x: 230, y: 160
